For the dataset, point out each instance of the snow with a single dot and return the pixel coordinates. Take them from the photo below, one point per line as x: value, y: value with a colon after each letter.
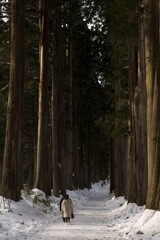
x: 98, y: 216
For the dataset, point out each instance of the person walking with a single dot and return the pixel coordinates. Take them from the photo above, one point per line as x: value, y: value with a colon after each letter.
x: 67, y: 208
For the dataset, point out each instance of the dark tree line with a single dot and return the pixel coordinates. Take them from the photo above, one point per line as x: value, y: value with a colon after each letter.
x: 86, y: 101
x: 53, y: 139
x: 135, y: 74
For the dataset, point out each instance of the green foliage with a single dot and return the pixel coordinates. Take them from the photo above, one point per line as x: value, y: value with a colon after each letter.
x: 38, y: 201
x: 121, y: 21
x: 115, y: 124
x: 90, y: 61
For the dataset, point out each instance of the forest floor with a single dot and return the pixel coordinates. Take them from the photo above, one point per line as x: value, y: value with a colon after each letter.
x: 98, y: 216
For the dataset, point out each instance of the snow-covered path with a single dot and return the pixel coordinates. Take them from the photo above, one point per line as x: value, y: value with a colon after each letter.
x: 90, y: 221
x: 98, y: 216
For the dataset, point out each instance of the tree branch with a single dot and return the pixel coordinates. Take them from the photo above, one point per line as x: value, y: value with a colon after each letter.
x: 4, y: 88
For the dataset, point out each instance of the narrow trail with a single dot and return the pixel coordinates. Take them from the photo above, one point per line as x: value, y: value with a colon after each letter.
x: 90, y: 222
x: 98, y: 216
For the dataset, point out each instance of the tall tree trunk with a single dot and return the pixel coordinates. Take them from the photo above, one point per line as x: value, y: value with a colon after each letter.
x: 75, y: 138
x: 137, y: 162
x: 76, y: 156
x: 137, y: 182
x: 42, y: 169
x: 111, y: 158
x: 120, y: 144
x: 120, y: 157
x: 132, y: 76
x: 86, y: 157
x: 54, y: 150
x: 140, y: 110
x: 11, y: 179
x: 69, y: 110
x: 152, y: 43
x: 59, y: 183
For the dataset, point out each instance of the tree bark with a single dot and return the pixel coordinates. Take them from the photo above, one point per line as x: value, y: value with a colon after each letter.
x: 58, y: 131
x: 11, y: 180
x: 152, y: 43
x: 137, y: 164
x: 120, y: 157
x: 69, y: 109
x: 42, y: 169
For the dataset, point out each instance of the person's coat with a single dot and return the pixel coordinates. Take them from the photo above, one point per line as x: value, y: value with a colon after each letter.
x: 67, y: 208
x: 60, y: 204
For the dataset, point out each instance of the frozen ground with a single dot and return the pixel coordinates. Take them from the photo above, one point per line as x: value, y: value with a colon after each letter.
x: 98, y: 216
